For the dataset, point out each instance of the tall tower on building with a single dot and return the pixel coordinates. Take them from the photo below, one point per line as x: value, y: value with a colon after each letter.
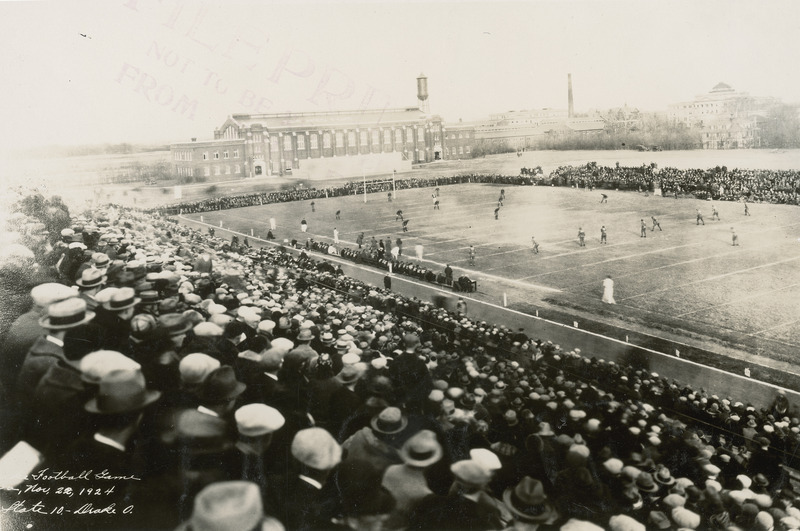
x: 569, y: 96
x: 422, y: 93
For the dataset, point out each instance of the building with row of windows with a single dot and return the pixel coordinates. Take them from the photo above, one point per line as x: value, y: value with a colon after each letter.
x: 321, y: 144
x: 726, y: 118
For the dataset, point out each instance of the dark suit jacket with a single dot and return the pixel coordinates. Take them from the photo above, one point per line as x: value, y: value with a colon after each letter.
x: 58, y: 416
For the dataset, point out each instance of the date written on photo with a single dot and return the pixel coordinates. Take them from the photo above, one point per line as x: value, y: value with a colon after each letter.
x: 56, y: 493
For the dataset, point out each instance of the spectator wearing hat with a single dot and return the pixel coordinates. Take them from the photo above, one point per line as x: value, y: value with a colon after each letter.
x: 380, y: 442
x: 256, y: 424
x: 230, y: 505
x: 49, y: 348
x: 217, y: 395
x: 90, y: 282
x: 114, y: 316
x: 407, y: 482
x: 174, y: 326
x: 459, y: 510
x: 344, y: 399
x: 117, y: 410
x: 56, y: 411
x: 303, y: 342
x: 317, y: 453
x: 25, y: 330
x: 365, y: 504
x: 410, y: 375
x: 529, y: 505
x: 765, y: 462
x: 193, y: 370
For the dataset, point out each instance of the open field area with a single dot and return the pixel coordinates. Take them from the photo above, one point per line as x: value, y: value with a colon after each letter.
x: 72, y: 171
x: 687, y: 278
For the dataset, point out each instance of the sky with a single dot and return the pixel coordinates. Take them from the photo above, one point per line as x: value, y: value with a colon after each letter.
x: 153, y: 71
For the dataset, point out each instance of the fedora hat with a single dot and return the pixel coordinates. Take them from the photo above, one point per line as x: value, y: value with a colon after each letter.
x: 389, y: 421
x: 664, y: 477
x: 227, y: 505
x: 122, y: 391
x: 174, y: 324
x: 422, y: 449
x: 528, y: 502
x: 149, y: 296
x: 305, y: 335
x: 66, y: 314
x: 220, y: 386
x: 122, y: 299
x: 545, y: 430
x: 645, y: 483
x: 349, y: 373
x: 100, y: 260
x: 91, y: 278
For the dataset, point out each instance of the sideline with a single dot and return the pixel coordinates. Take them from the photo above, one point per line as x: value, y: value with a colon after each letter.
x: 669, y: 358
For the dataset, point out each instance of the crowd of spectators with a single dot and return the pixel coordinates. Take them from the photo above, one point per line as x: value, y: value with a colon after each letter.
x: 720, y: 183
x: 349, y: 188
x: 215, y: 389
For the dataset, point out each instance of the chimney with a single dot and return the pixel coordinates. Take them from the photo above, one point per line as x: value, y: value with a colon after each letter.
x: 571, y: 111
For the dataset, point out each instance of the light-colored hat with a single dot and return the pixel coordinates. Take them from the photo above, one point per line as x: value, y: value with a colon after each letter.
x: 65, y: 314
x: 96, y: 365
x: 227, y: 505
x: 486, y: 458
x: 48, y: 293
x: 316, y: 448
x: 206, y: 329
x: 422, y: 449
x: 254, y: 420
x: 470, y: 473
x: 623, y: 522
x: 194, y: 368
x: 122, y: 299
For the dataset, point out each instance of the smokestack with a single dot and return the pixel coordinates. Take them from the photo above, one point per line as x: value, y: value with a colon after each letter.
x: 569, y: 96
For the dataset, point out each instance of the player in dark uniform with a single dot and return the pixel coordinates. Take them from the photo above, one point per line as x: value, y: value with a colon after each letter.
x: 699, y: 218
x: 398, y: 215
x: 746, y: 210
x: 655, y: 224
x: 604, y: 199
x: 581, y: 237
x: 496, y: 213
x: 405, y: 225
x: 603, y: 235
x: 338, y: 214
x: 643, y: 230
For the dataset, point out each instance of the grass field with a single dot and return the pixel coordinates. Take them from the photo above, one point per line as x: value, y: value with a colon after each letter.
x: 687, y: 278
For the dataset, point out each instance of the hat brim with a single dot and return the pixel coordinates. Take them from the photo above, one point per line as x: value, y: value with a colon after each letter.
x: 548, y: 512
x: 403, y: 424
x: 107, y: 305
x: 667, y: 483
x: 150, y: 397
x: 82, y: 284
x: 651, y: 489
x: 44, y: 322
x: 407, y: 459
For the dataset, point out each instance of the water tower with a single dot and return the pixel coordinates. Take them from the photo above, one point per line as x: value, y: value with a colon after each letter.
x: 422, y: 93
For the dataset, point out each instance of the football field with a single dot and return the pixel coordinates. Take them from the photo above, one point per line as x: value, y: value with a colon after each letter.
x: 686, y: 278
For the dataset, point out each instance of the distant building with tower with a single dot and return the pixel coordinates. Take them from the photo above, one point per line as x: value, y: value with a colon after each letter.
x: 726, y: 118
x: 319, y: 145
